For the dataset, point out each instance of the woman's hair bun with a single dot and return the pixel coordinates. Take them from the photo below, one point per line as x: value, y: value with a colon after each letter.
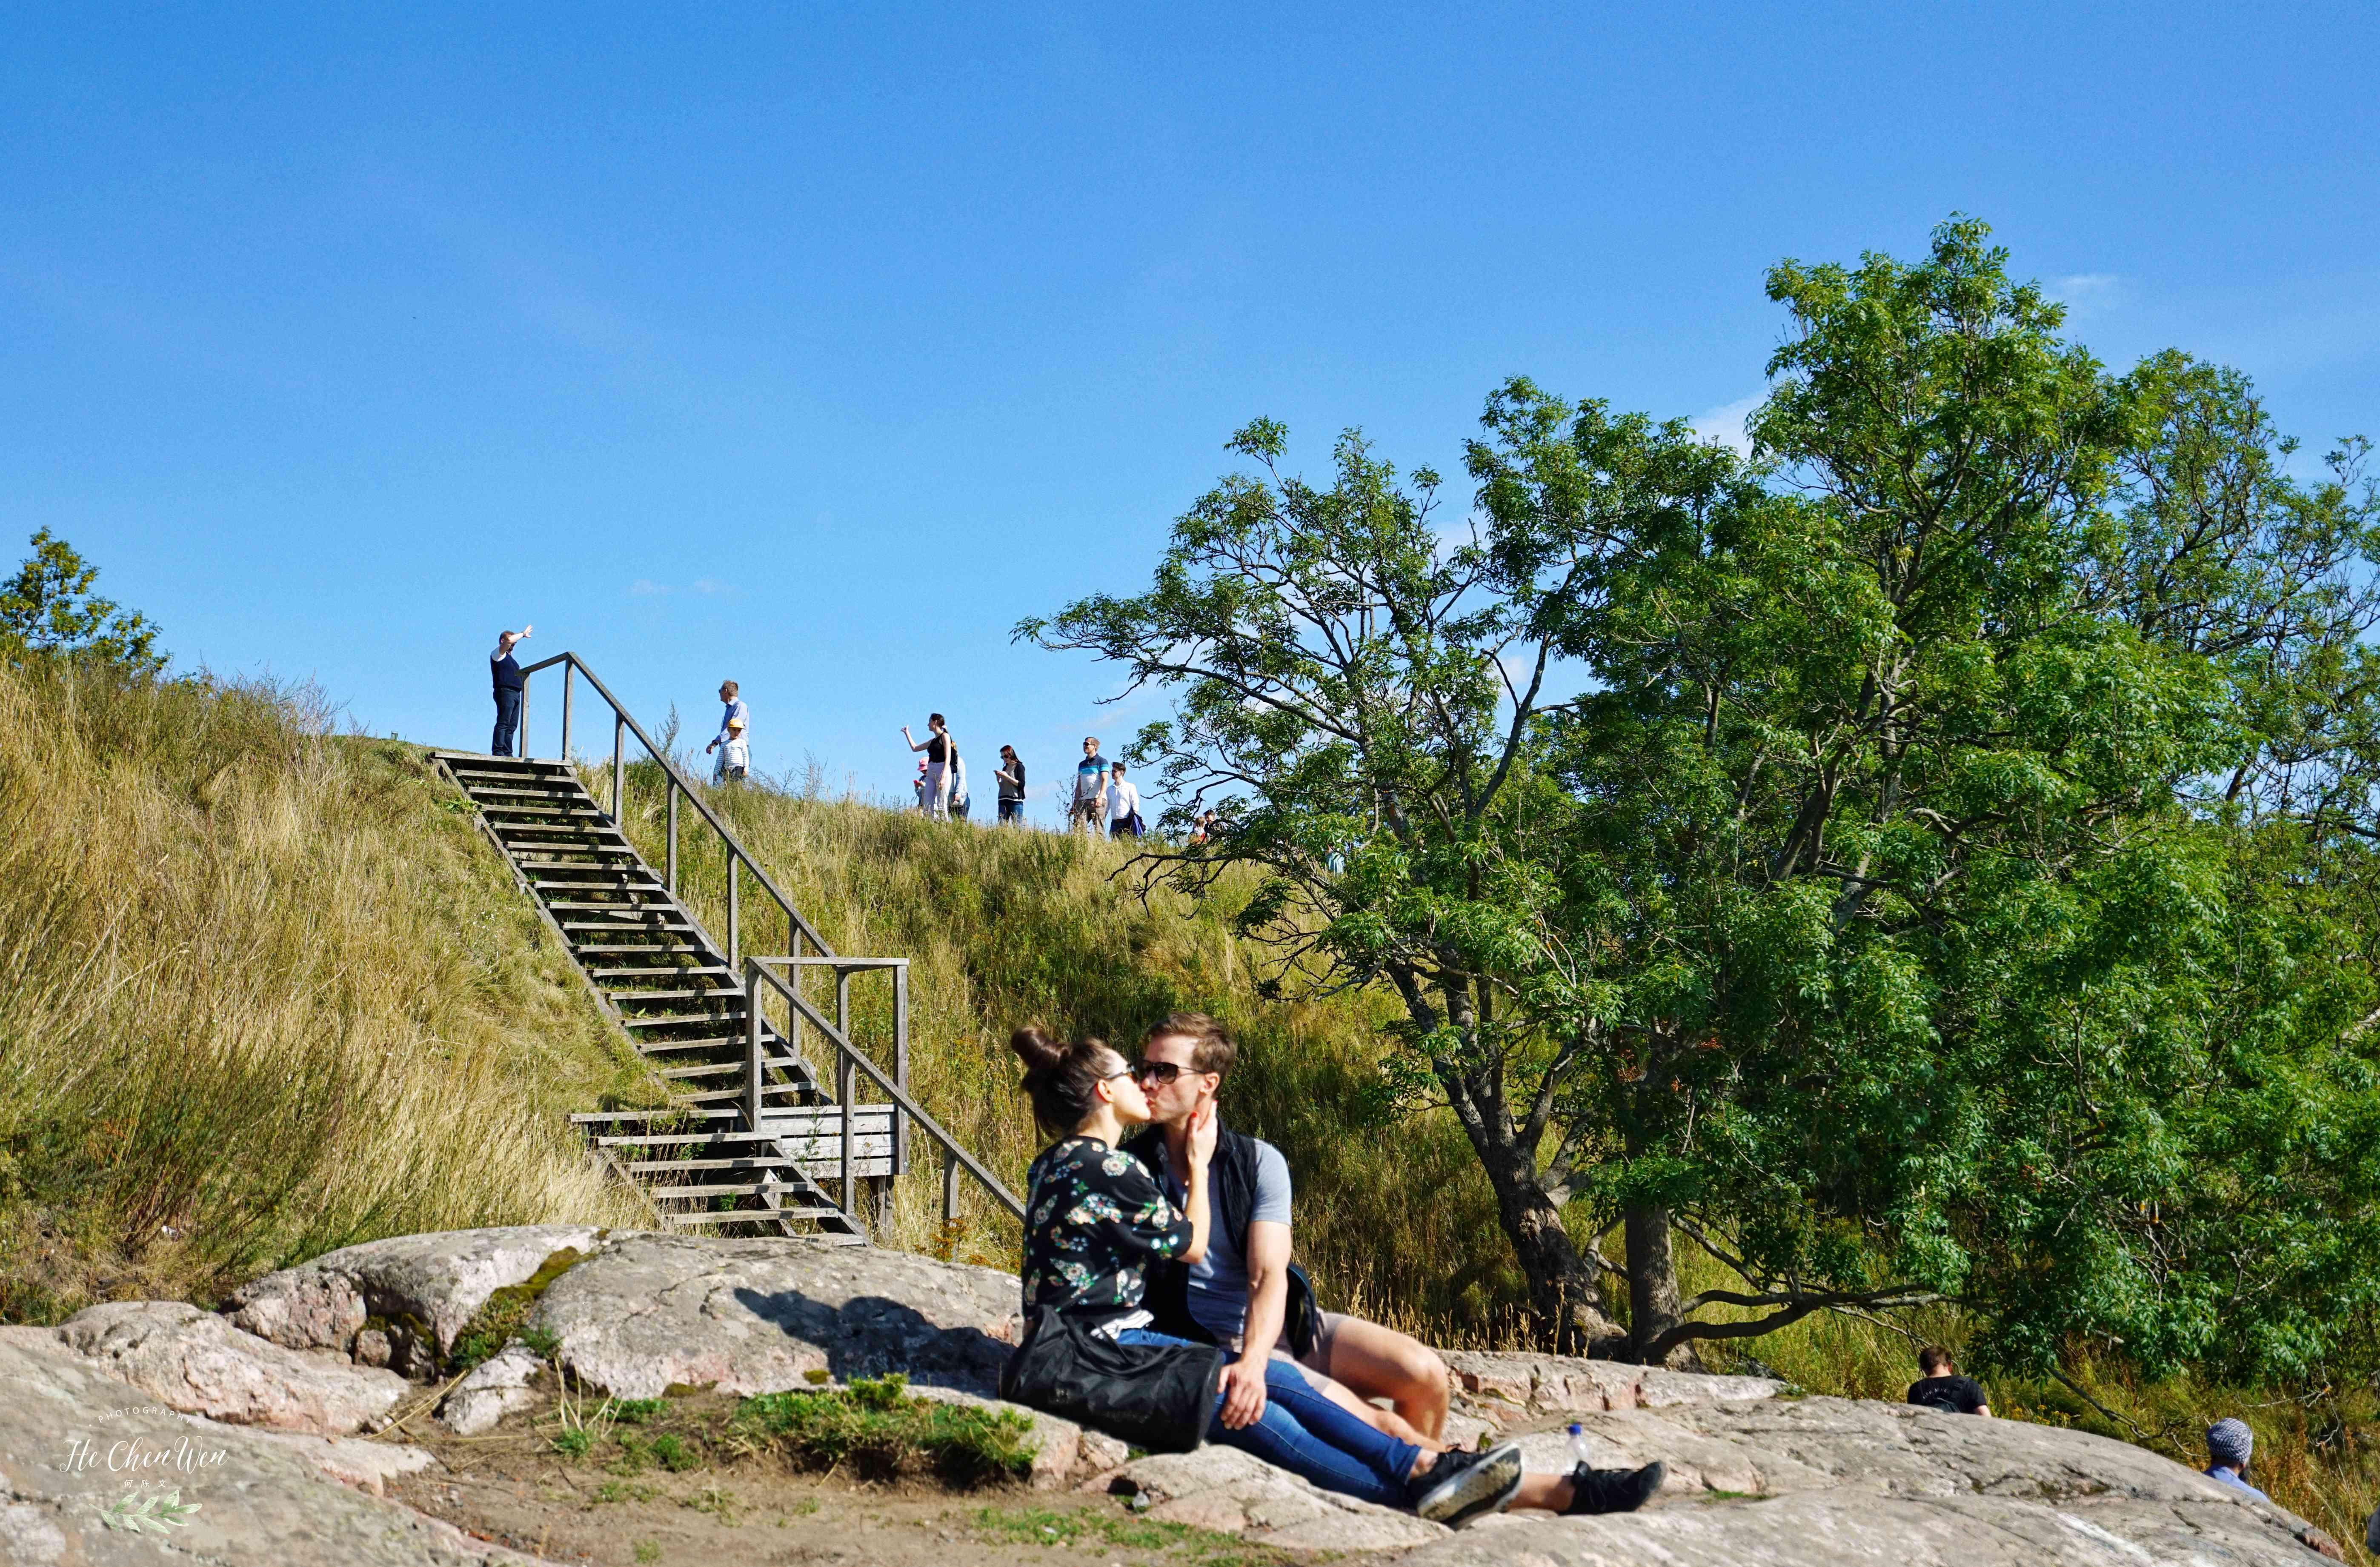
x: 1038, y: 1052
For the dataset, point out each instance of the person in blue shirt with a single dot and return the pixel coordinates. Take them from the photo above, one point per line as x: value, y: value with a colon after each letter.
x: 2228, y: 1445
x: 733, y: 741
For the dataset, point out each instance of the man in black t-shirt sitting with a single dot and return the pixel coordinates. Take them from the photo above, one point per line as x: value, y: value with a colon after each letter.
x: 1942, y: 1387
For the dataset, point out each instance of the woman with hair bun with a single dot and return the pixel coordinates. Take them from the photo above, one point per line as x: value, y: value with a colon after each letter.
x: 1094, y: 1219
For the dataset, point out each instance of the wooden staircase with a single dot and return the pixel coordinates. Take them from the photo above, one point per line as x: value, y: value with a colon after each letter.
x: 703, y: 1163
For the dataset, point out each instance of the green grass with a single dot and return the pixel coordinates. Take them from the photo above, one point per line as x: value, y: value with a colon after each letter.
x: 1099, y: 1527
x: 877, y: 1429
x: 873, y: 1429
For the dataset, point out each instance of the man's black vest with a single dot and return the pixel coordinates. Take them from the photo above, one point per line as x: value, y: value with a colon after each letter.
x: 507, y: 670
x: 1230, y: 1206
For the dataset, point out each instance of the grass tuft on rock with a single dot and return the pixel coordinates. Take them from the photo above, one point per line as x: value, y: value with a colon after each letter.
x: 877, y: 1427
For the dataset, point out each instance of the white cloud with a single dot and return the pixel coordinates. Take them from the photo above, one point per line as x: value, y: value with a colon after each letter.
x: 645, y: 586
x: 1724, y: 424
x: 2087, y: 293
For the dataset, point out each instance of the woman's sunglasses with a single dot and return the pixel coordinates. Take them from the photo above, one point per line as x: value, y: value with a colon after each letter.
x: 1157, y: 1072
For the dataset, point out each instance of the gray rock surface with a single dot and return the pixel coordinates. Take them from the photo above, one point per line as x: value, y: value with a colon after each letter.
x: 198, y: 1364
x: 75, y: 1442
x: 1827, y: 1480
x: 647, y: 1312
x: 433, y: 1283
x: 1224, y: 1489
x: 495, y: 1387
x: 1547, y: 1384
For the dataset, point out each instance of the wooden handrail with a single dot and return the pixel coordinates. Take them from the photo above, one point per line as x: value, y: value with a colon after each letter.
x: 756, y: 973
x: 678, y: 781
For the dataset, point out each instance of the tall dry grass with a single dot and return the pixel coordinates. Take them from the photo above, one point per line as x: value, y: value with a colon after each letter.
x: 259, y: 996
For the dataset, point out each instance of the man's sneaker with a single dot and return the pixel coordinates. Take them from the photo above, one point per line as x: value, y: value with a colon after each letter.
x: 1613, y: 1491
x: 1460, y: 1486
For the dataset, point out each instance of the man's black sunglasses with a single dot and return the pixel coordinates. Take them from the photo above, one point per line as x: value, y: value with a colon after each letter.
x: 1157, y: 1072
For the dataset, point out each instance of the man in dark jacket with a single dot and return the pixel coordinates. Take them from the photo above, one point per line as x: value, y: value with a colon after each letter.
x: 1243, y: 1294
x: 507, y: 673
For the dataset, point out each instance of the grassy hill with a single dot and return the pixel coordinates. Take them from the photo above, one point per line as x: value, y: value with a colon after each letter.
x: 264, y: 991
x: 259, y: 996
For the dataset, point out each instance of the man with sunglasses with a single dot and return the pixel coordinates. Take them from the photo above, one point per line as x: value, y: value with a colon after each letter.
x: 1244, y: 1294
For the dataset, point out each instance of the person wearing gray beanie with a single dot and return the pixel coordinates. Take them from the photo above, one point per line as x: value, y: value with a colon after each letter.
x: 2228, y: 1445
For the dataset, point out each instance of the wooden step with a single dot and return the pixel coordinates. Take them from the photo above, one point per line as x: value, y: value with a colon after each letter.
x: 680, y: 1139
x: 722, y: 1068
x: 554, y: 794
x: 704, y: 1194
x: 679, y: 925
x: 763, y: 1215
x: 619, y: 997
x: 592, y: 1117
x: 685, y: 1166
x: 658, y: 973
x: 669, y: 1019
x: 583, y: 949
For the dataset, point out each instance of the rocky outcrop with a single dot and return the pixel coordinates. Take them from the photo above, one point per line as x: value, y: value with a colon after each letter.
x: 1824, y: 1480
x: 196, y: 1363
x: 423, y: 1290
x: 79, y: 1448
x: 1755, y: 1473
x: 496, y: 1388
x: 649, y: 1312
x: 1224, y: 1489
x: 1560, y: 1384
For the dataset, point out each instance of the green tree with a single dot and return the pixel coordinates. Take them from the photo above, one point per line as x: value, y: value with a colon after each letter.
x: 49, y: 606
x: 1903, y: 908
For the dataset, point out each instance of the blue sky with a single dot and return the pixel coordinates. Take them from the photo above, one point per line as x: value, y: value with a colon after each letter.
x: 816, y: 346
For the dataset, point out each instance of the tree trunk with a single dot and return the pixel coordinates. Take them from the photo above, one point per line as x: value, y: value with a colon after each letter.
x: 1653, y: 1304
x: 1564, y: 1284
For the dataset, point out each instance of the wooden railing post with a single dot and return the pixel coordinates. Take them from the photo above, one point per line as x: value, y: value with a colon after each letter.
x: 900, y: 1063
x: 732, y: 958
x: 671, y: 876
x: 949, y: 1187
x: 844, y: 1094
x: 619, y: 770
x: 752, y: 1046
x: 568, y: 670
x: 521, y: 746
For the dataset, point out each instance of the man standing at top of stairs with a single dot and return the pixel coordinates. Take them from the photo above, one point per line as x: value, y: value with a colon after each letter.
x: 507, y: 672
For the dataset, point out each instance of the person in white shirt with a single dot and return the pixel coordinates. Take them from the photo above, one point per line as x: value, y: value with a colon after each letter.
x: 733, y: 741
x: 958, y: 787
x: 1124, y: 805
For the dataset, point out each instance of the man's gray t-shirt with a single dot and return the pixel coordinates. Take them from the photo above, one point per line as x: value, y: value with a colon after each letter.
x: 1219, y: 1281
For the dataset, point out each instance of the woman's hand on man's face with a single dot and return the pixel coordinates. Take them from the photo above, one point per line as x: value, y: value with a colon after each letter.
x: 1204, y: 1129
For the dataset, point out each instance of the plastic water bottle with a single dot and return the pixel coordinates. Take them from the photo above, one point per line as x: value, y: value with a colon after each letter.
x: 1578, y: 1450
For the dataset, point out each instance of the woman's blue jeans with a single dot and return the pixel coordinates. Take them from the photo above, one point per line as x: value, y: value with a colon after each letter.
x: 1306, y: 1434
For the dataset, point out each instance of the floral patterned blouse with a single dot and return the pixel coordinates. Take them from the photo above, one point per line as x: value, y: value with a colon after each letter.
x: 1093, y: 1217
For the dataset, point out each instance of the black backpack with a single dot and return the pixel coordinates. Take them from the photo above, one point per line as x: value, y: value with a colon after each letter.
x: 1231, y: 1198
x: 1160, y: 1397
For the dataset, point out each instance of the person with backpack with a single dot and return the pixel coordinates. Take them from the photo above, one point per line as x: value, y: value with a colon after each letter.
x: 1245, y: 1294
x: 1095, y: 1221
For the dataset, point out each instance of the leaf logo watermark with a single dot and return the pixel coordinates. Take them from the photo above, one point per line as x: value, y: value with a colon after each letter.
x: 162, y: 1514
